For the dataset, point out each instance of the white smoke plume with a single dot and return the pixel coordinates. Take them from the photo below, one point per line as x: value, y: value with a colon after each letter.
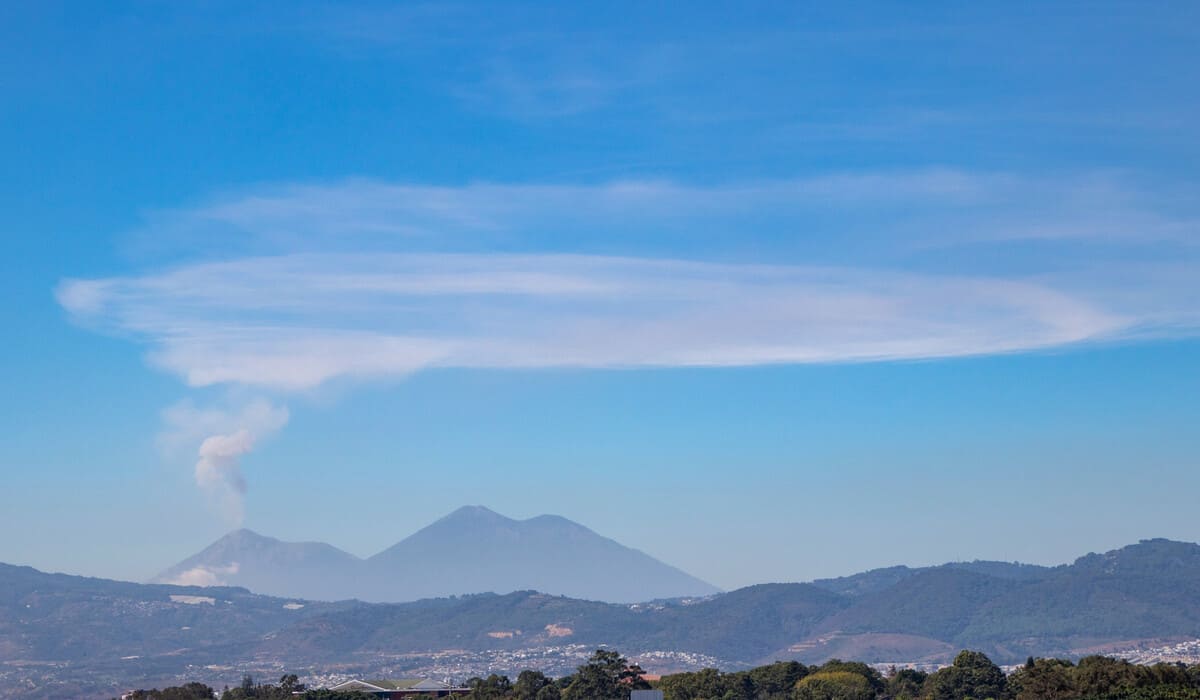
x: 219, y: 471
x: 226, y: 436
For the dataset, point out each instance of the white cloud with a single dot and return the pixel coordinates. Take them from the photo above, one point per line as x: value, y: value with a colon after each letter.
x: 203, y: 576
x: 293, y: 322
x: 850, y: 215
x: 325, y: 294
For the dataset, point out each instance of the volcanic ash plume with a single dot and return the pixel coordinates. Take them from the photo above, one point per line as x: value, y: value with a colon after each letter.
x: 219, y: 471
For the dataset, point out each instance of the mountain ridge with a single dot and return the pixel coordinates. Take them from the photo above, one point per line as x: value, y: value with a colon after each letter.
x: 473, y: 550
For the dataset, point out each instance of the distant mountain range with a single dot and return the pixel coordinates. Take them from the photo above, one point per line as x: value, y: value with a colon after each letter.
x: 57, y: 629
x: 472, y: 550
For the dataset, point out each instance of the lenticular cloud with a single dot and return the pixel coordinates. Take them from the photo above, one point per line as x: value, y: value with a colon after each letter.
x: 293, y: 322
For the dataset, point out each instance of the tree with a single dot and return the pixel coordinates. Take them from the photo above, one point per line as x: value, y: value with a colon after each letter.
x: 777, y: 679
x: 289, y: 686
x: 706, y: 684
x: 1045, y: 679
x: 187, y: 691
x: 739, y: 686
x: 534, y: 685
x: 834, y: 685
x: 493, y: 687
x: 1099, y: 676
x: 906, y: 683
x: 606, y: 676
x: 290, y: 683
x: 873, y: 677
x: 973, y: 675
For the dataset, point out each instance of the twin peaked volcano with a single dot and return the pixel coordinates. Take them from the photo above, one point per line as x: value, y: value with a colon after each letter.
x: 472, y: 550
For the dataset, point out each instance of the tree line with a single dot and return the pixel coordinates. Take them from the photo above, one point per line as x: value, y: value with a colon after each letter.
x: 606, y: 674
x: 973, y: 676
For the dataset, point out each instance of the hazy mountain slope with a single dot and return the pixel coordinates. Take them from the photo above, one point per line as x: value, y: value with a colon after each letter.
x: 876, y: 580
x: 476, y: 622
x: 866, y: 582
x: 1148, y: 589
x: 1010, y: 570
x: 311, y: 570
x: 55, y: 617
x: 475, y: 550
x: 748, y: 623
x: 936, y: 603
x: 740, y: 625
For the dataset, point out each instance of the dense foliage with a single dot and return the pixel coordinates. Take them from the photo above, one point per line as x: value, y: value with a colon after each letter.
x: 609, y: 676
x: 189, y: 691
x: 972, y: 676
x: 289, y: 688
x: 1102, y: 678
x: 606, y: 676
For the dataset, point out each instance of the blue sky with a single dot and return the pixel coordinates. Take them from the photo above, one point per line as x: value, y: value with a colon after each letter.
x: 771, y: 292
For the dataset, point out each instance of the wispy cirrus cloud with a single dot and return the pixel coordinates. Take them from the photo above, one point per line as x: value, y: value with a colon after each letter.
x: 328, y: 291
x: 854, y: 212
x: 294, y: 322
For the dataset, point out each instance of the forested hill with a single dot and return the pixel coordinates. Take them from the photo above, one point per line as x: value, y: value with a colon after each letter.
x: 1147, y: 591
x: 876, y: 580
x: 60, y: 618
